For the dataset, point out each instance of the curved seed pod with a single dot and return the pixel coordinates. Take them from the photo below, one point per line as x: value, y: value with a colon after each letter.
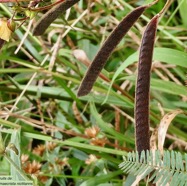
x: 51, y: 15
x: 107, y: 48
x: 143, y: 86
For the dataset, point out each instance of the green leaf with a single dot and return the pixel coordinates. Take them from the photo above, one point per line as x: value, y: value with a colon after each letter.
x: 130, y: 180
x: 161, y: 173
x: 2, y: 147
x: 167, y: 55
x: 164, y: 86
x: 182, y: 10
x: 106, y: 127
x: 102, y: 178
x: 170, y: 56
x: 15, y: 139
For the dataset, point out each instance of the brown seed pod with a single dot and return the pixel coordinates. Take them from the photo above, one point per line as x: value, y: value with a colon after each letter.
x: 51, y: 15
x: 107, y: 48
x: 143, y: 86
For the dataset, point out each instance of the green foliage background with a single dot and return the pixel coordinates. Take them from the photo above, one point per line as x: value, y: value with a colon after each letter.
x: 49, y: 110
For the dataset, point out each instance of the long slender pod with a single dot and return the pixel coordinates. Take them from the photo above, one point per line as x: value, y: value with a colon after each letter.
x: 106, y: 49
x: 51, y: 15
x: 143, y: 86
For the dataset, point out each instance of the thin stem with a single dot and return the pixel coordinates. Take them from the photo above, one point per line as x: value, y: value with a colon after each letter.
x: 46, y: 7
x: 154, y: 2
x: 164, y: 8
